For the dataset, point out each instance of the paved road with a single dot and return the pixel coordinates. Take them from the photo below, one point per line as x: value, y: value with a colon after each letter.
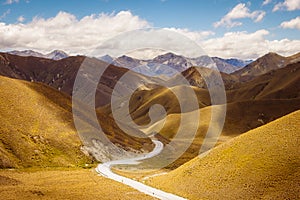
x: 105, y: 170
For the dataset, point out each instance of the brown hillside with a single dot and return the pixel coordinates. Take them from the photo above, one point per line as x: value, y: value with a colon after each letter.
x: 263, y: 163
x: 282, y: 83
x: 195, y: 78
x: 142, y: 100
x: 37, y: 128
x: 266, y: 63
x: 61, y: 74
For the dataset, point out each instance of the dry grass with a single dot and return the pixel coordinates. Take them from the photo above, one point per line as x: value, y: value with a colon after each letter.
x: 240, y: 117
x: 36, y: 130
x: 263, y: 163
x: 62, y: 184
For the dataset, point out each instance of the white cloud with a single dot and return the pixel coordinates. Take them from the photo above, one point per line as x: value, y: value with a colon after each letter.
x: 21, y: 19
x: 5, y: 14
x: 289, y: 5
x: 82, y: 36
x: 154, y: 41
x: 240, y: 11
x: 193, y: 35
x: 246, y: 45
x: 292, y: 24
x: 66, y: 32
x: 266, y: 2
x: 8, y: 2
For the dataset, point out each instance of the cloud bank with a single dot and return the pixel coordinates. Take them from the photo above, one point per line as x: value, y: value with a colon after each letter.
x: 246, y: 45
x: 65, y: 31
x: 81, y: 36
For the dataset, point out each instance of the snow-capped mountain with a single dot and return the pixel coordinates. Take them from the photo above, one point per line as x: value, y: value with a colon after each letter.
x: 54, y: 55
x: 170, y: 64
x: 167, y: 64
x: 57, y: 55
x: 26, y: 53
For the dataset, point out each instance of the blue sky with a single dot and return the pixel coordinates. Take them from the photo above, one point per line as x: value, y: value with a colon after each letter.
x: 191, y: 15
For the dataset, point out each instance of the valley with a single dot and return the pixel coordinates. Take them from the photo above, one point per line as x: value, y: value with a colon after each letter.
x: 39, y: 137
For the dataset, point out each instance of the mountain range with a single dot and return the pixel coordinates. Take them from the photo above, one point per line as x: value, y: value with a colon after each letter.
x: 54, y: 55
x: 161, y: 65
x: 170, y: 64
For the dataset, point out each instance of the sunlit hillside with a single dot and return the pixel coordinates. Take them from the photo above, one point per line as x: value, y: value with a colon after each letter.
x: 262, y: 163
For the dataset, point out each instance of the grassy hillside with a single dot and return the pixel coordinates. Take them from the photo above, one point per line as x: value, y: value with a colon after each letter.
x: 63, y: 184
x: 262, y: 163
x: 36, y: 130
x: 36, y: 126
x: 142, y: 100
x: 240, y: 117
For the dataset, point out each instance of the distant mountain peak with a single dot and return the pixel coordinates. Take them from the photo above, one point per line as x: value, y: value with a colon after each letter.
x: 107, y: 58
x: 168, y: 55
x: 54, y: 55
x: 268, y: 62
x: 57, y: 55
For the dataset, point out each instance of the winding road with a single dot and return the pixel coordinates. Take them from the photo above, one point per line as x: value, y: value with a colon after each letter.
x: 105, y: 170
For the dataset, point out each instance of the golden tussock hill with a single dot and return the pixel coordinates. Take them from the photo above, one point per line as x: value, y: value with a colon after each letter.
x: 142, y: 100
x: 263, y: 163
x: 36, y: 130
x: 36, y: 126
x: 240, y: 117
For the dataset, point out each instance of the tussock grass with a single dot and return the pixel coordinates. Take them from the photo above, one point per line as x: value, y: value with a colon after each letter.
x: 63, y: 184
x: 263, y: 163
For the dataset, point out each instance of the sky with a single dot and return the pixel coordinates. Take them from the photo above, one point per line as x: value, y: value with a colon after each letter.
x: 223, y: 28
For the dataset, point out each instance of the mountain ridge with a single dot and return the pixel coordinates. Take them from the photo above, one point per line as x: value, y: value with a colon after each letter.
x: 169, y: 64
x: 54, y: 55
x: 264, y: 64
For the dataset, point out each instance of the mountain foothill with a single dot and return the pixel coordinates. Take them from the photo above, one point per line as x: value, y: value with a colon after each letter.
x: 255, y: 155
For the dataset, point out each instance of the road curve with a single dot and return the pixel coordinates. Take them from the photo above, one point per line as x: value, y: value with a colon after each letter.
x: 105, y: 170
